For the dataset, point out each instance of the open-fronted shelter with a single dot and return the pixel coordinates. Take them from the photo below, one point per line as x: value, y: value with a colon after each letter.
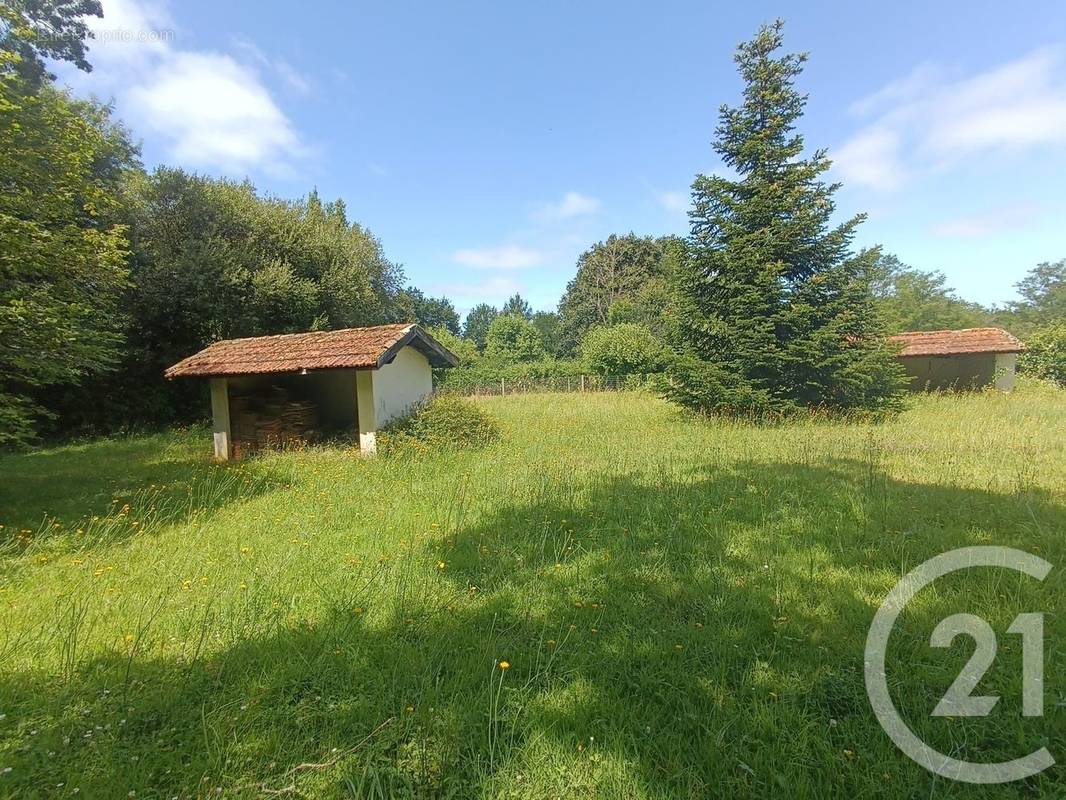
x: 268, y: 390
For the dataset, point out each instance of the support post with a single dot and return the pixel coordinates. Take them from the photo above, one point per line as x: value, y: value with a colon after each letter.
x: 220, y: 417
x: 366, y: 412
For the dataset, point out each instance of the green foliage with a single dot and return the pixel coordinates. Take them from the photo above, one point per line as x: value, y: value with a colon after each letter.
x: 465, y: 349
x: 432, y: 312
x: 609, y: 272
x: 1043, y: 299
x: 1046, y: 356
x: 622, y: 349
x: 487, y: 373
x: 445, y: 422
x: 213, y: 259
x: 547, y: 323
x: 775, y: 313
x: 62, y: 251
x: 513, y: 338
x: 34, y: 30
x: 518, y: 306
x: 476, y: 325
x: 912, y: 300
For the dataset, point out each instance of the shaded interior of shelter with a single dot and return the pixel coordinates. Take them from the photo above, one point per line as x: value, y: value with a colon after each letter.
x: 291, y: 408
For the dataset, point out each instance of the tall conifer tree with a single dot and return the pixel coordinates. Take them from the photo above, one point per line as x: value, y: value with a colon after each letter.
x: 776, y: 311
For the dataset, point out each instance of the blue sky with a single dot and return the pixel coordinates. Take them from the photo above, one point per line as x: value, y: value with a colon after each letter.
x: 488, y: 144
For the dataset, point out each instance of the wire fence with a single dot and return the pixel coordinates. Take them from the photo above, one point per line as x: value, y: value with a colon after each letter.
x: 561, y: 383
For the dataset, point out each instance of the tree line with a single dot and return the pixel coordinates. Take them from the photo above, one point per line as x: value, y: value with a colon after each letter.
x: 110, y: 273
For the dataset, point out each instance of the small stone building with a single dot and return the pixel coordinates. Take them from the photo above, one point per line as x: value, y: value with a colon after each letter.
x: 268, y: 391
x: 972, y: 358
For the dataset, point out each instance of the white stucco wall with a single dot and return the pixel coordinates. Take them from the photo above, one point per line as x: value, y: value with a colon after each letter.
x: 400, y: 385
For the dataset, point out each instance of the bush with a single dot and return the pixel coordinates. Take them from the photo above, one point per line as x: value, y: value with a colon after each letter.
x: 488, y: 372
x: 464, y: 349
x: 1046, y: 357
x: 513, y: 338
x: 623, y: 349
x: 445, y: 422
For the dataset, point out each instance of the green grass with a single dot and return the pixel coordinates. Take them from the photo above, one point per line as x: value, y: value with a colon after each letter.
x: 683, y: 605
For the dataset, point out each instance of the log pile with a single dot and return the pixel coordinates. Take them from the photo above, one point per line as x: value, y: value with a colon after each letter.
x: 271, y: 422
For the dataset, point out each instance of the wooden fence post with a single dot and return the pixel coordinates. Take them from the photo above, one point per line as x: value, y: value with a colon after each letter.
x: 582, y: 383
x: 503, y: 387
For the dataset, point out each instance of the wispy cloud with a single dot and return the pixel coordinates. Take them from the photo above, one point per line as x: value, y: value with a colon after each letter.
x: 674, y: 202
x: 927, y: 121
x: 466, y: 294
x: 209, y: 109
x: 573, y: 204
x: 987, y: 223
x: 508, y: 256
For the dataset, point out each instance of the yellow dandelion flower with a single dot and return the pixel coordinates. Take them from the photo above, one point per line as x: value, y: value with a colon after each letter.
x: 129, y: 638
x: 505, y: 665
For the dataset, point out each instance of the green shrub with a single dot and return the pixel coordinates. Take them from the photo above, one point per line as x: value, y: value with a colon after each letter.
x: 445, y: 422
x: 623, y: 349
x: 513, y: 338
x: 1046, y: 357
x: 488, y: 372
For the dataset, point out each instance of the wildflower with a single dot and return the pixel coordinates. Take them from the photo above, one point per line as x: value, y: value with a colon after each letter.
x: 129, y: 638
x: 551, y: 643
x: 244, y: 585
x: 505, y: 665
x: 440, y: 565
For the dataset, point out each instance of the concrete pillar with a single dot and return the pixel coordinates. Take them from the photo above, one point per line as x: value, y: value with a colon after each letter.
x: 367, y: 413
x: 220, y: 417
x: 1005, y: 364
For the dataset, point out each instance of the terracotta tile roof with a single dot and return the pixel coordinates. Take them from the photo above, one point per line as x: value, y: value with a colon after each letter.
x: 350, y: 348
x: 947, y: 343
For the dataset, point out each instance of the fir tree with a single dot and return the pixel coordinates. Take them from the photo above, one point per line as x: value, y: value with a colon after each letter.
x: 775, y: 309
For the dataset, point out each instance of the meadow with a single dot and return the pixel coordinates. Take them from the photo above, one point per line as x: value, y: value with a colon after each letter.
x: 615, y: 600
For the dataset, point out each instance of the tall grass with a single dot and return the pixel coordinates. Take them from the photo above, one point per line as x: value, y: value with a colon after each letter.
x: 682, y: 605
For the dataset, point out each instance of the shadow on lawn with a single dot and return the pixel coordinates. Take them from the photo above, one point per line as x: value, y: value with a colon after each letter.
x: 162, y: 478
x: 699, y: 635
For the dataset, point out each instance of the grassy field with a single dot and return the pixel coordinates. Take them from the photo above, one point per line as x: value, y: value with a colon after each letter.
x: 617, y: 600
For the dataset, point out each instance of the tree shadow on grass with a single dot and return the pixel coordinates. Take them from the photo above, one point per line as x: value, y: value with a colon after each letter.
x: 159, y: 479
x: 686, y: 636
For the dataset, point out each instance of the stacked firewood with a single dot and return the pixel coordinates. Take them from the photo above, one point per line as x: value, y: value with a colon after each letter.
x: 271, y: 422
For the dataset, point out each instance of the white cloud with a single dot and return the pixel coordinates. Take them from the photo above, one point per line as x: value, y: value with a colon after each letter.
x: 927, y: 121
x: 871, y: 158
x: 573, y: 204
x: 209, y: 109
x: 466, y: 295
x: 674, y: 202
x: 986, y: 223
x: 508, y: 256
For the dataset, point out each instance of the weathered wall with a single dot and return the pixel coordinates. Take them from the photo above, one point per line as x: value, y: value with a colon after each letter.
x: 1005, y: 366
x: 969, y: 371
x: 400, y: 385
